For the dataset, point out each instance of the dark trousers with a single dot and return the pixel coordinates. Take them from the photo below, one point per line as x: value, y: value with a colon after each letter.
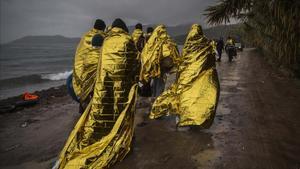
x: 219, y: 53
x: 158, y: 86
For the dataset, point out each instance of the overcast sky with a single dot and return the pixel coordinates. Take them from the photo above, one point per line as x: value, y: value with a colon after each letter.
x: 73, y: 17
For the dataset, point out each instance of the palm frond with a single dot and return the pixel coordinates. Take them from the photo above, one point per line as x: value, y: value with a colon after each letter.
x: 225, y: 9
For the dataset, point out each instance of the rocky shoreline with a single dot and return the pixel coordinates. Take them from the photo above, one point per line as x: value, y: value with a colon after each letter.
x: 45, y: 96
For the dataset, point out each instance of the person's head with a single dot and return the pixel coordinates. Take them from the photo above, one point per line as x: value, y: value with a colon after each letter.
x: 139, y: 26
x: 119, y: 23
x: 228, y: 37
x: 195, y: 32
x: 221, y: 38
x: 99, y: 25
x: 97, y: 40
x: 160, y: 31
x: 150, y: 30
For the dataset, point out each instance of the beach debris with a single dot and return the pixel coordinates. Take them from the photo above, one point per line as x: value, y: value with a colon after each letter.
x: 27, y: 103
x: 12, y: 147
x: 27, y: 100
x: 25, y: 124
x: 28, y: 122
x: 28, y: 96
x: 6, y: 108
x: 17, y: 103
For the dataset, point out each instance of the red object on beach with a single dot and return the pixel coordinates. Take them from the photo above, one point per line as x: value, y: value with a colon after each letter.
x: 28, y: 96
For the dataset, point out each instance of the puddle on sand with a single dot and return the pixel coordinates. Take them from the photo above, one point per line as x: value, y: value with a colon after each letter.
x: 241, y: 88
x: 206, y: 158
x: 234, y: 78
x: 223, y: 110
x: 140, y: 116
x: 225, y: 92
x: 232, y: 73
x: 229, y: 83
x: 220, y: 126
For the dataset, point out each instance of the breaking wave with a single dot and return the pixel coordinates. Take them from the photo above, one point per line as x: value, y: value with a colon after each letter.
x: 57, y: 76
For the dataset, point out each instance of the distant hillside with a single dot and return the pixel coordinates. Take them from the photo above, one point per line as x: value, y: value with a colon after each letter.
x: 179, y: 29
x: 44, y: 40
x: 215, y: 33
x: 177, y: 32
x: 172, y: 30
x: 56, y: 39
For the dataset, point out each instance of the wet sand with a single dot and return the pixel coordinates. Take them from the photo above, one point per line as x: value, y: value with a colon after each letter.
x: 256, y: 126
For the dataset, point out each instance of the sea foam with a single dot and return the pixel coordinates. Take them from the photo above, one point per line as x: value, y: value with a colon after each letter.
x: 57, y: 76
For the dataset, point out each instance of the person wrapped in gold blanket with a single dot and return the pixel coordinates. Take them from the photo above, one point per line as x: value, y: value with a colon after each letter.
x: 85, y: 64
x: 89, y: 71
x: 194, y: 95
x: 103, y: 134
x: 138, y: 37
x: 158, y: 56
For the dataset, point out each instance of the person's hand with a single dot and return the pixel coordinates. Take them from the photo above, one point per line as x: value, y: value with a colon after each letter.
x: 140, y: 84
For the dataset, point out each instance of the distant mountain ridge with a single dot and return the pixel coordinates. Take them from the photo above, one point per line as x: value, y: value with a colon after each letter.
x: 172, y: 30
x: 44, y: 40
x: 179, y: 34
x: 215, y: 33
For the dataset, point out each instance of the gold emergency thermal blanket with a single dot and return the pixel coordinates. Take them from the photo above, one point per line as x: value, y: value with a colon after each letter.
x: 158, y: 47
x: 89, y: 71
x: 194, y: 94
x: 136, y: 34
x: 214, y: 45
x: 103, y: 134
x: 83, y: 52
x: 229, y: 42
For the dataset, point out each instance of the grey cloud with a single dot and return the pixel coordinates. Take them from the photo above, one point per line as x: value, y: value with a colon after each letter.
x: 73, y: 17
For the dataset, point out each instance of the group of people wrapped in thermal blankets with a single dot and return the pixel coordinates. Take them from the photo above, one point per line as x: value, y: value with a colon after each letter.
x: 113, y: 68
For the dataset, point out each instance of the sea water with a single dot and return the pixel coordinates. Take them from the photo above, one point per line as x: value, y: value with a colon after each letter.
x: 31, y: 67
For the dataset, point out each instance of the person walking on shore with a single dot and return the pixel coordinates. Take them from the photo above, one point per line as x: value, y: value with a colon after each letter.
x: 148, y: 34
x: 159, y: 55
x: 220, y: 47
x: 138, y: 37
x: 230, y: 48
x: 193, y: 97
x: 83, y: 51
x: 89, y: 71
x: 104, y: 132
